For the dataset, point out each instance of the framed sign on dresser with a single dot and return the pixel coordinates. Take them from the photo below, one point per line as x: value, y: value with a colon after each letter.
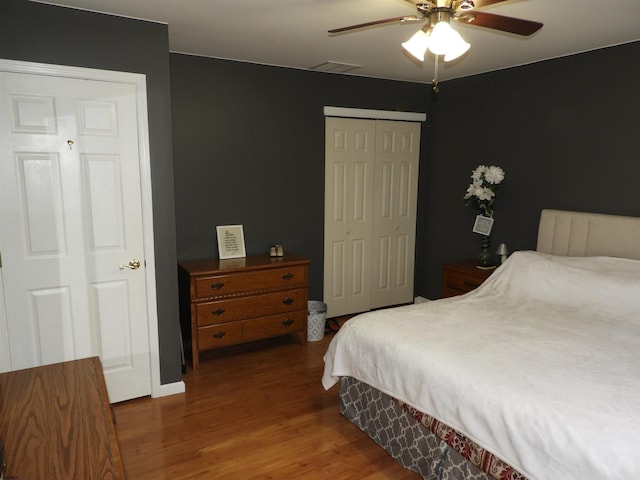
x: 232, y: 301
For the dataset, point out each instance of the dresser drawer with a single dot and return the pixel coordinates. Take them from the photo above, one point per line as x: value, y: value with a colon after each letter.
x: 233, y: 284
x: 241, y: 308
x: 274, y: 325
x: 219, y: 335
x: 461, y: 282
x: 462, y: 277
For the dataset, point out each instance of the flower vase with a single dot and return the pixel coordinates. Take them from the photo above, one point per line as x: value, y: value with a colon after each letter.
x: 484, y: 257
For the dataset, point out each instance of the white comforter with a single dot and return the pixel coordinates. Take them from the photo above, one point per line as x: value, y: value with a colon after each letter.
x: 540, y: 365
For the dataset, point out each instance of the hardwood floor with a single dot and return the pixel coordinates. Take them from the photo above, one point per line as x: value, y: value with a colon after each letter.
x: 255, y: 411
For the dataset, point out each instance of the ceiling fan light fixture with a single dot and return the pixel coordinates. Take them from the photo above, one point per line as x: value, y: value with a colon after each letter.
x: 442, y: 37
x: 417, y: 45
x: 456, y: 49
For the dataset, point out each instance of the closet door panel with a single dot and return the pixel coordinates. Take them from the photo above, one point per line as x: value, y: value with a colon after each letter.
x: 349, y: 175
x: 394, y: 212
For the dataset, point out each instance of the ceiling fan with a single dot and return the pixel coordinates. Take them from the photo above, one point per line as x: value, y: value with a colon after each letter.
x: 435, y: 11
x: 436, y: 34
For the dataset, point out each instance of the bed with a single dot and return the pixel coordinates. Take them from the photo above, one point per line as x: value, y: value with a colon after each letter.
x: 533, y: 375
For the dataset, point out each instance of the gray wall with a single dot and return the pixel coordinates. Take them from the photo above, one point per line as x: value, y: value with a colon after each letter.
x: 564, y: 130
x: 43, y: 33
x: 249, y: 149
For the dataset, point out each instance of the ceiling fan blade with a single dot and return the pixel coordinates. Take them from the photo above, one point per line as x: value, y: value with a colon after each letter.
x: 403, y: 19
x: 500, y: 22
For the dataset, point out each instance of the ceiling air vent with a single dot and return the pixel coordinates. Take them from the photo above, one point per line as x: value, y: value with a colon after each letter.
x: 335, y: 67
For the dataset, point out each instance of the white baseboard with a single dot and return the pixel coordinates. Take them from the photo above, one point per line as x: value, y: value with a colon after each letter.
x: 420, y: 300
x: 169, y: 389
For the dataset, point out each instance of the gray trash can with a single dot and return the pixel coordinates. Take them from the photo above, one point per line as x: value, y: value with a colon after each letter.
x: 317, y: 316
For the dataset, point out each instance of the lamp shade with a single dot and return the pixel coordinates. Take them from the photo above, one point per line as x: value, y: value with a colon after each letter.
x: 441, y: 35
x: 417, y: 45
x: 456, y: 48
x: 503, y: 252
x: 446, y: 41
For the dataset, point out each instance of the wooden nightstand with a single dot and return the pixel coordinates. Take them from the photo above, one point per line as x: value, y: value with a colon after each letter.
x: 462, y: 277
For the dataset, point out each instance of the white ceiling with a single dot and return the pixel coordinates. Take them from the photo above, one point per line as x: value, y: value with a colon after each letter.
x: 293, y: 33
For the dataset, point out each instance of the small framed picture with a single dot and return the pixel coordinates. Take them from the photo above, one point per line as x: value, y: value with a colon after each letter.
x: 230, y: 241
x: 483, y: 225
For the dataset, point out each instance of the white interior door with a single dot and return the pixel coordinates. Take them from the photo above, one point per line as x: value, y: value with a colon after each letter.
x: 394, y: 212
x: 70, y: 216
x: 349, y: 179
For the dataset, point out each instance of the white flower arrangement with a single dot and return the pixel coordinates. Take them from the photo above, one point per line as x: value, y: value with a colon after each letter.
x: 482, y: 191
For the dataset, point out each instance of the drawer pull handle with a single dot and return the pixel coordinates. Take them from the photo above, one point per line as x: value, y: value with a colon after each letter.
x: 288, y: 301
x: 217, y: 285
x: 288, y: 322
x: 287, y: 276
x: 218, y: 311
x: 219, y: 335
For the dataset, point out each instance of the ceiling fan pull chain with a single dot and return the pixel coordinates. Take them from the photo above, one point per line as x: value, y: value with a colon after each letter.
x: 435, y: 87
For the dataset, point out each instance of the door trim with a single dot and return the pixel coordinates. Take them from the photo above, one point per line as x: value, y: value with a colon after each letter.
x: 374, y: 114
x: 139, y: 80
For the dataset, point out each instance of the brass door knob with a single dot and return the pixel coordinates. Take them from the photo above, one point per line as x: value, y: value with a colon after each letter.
x: 133, y: 265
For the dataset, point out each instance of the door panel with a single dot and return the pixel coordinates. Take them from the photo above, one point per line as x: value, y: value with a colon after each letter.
x: 40, y: 201
x: 394, y: 212
x: 349, y: 177
x: 103, y: 194
x: 71, y: 216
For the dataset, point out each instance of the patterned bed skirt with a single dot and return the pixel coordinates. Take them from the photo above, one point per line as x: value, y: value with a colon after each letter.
x: 417, y: 441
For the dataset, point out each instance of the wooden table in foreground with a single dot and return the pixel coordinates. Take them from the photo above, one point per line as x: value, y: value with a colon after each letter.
x: 56, y: 423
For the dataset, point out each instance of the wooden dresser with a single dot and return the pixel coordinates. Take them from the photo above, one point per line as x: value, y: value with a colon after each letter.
x: 462, y: 277
x: 56, y: 422
x: 225, y: 302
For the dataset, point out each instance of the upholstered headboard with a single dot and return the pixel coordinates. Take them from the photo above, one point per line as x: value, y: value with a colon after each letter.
x: 580, y: 234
